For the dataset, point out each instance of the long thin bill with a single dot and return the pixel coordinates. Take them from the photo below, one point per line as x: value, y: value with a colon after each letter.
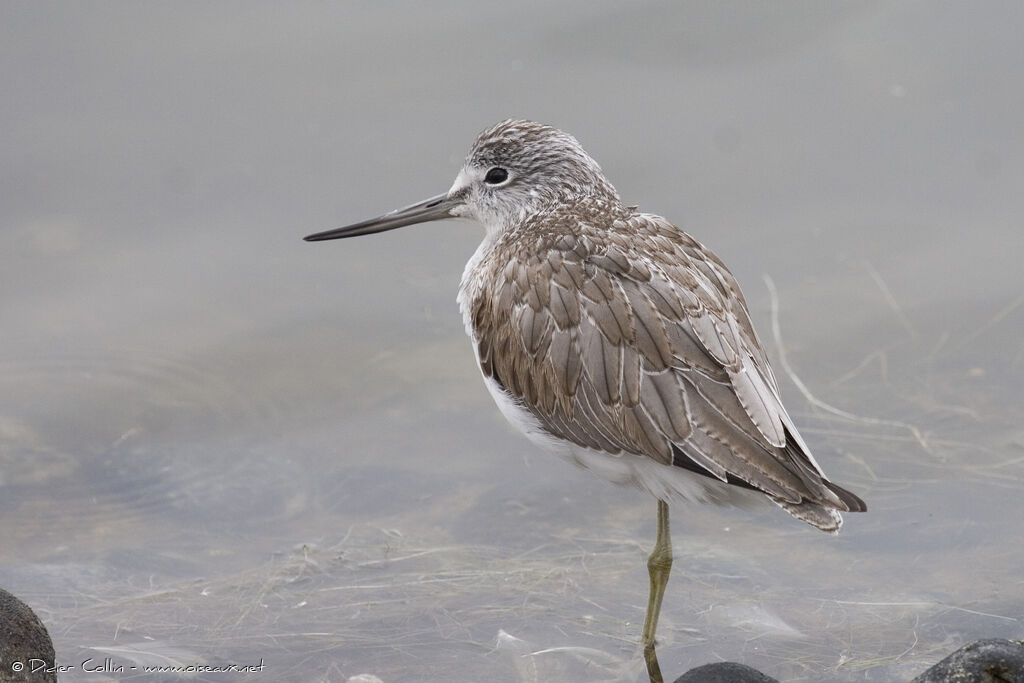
x: 433, y: 209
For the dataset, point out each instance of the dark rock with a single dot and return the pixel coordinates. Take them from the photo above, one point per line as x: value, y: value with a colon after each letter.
x: 983, y: 661
x: 724, y: 672
x: 26, y: 651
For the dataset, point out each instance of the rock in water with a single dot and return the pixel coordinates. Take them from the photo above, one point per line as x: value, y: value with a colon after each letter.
x: 724, y: 672
x: 984, y: 661
x: 26, y: 651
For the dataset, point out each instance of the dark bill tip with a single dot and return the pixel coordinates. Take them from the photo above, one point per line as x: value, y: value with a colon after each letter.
x: 433, y: 209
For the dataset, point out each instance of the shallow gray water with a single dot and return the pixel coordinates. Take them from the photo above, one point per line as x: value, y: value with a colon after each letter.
x: 221, y: 445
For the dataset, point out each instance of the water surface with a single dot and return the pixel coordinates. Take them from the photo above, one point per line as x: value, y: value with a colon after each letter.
x: 221, y: 445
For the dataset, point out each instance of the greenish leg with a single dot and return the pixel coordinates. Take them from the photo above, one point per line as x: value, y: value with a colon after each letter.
x: 653, y: 669
x: 659, y: 565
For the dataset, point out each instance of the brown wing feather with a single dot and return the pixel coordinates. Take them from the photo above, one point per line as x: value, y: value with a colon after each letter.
x: 633, y: 337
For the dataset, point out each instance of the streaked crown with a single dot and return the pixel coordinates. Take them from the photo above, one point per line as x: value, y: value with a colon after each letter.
x: 518, y: 168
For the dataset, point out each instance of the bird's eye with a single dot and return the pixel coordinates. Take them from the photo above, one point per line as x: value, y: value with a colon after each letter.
x: 496, y: 176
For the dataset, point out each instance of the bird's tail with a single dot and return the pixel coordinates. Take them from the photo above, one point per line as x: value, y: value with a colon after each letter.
x: 822, y: 516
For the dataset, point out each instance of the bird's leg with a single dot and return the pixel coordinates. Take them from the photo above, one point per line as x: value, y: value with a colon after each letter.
x: 659, y: 564
x: 653, y: 668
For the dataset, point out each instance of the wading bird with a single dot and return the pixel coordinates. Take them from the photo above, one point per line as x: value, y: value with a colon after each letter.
x: 615, y: 338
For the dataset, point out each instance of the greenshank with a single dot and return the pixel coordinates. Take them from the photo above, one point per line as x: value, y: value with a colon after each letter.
x: 616, y: 339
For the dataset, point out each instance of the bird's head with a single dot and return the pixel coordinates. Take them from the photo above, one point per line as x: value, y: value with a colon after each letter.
x: 515, y: 169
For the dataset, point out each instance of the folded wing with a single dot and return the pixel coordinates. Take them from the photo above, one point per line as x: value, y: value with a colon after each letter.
x: 641, y: 342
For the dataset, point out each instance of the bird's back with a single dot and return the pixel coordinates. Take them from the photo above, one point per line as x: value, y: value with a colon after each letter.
x: 617, y: 332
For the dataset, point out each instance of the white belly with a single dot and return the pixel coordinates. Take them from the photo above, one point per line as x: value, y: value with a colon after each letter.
x: 664, y: 482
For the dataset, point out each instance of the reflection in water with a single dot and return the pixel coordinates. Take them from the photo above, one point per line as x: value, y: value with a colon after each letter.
x: 651, y: 660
